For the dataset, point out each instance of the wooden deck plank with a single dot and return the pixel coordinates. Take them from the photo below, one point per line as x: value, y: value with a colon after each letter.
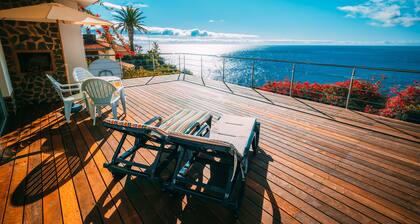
x: 16, y: 198
x: 115, y: 189
x: 33, y: 209
x: 74, y: 170
x: 52, y: 210
x: 67, y: 195
x: 136, y: 196
x: 99, y: 190
x: 320, y: 164
x: 9, y: 144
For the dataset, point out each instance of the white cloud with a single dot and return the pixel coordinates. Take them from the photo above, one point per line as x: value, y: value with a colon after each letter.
x: 113, y: 6
x: 386, y: 13
x: 195, y: 33
x: 216, y: 21
x: 139, y: 5
x: 417, y: 5
x: 174, y: 35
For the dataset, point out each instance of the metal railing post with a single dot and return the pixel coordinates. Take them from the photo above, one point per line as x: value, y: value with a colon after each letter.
x: 179, y: 66
x: 252, y: 73
x: 153, y: 61
x: 223, y: 69
x: 201, y: 70
x: 353, y: 73
x: 183, y: 77
x: 292, y: 80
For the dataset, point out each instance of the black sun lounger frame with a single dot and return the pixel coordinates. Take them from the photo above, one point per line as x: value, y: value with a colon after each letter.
x: 194, y: 150
x: 148, y: 136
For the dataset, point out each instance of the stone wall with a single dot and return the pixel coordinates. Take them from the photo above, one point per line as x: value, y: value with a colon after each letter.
x: 31, y: 87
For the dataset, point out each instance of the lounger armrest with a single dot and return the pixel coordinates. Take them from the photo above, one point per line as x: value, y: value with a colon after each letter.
x: 154, y: 119
x: 199, y: 142
x: 204, y: 129
x: 202, y: 144
x: 195, y: 125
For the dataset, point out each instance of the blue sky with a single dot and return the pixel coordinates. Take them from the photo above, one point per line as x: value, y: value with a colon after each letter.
x: 306, y: 21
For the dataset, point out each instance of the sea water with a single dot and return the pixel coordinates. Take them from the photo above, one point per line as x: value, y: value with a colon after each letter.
x: 257, y: 73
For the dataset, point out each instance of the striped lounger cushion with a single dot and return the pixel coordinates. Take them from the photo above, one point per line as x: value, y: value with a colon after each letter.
x: 179, y: 121
x: 182, y: 120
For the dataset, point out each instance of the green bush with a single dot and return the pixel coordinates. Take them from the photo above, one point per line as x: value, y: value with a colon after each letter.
x: 138, y: 73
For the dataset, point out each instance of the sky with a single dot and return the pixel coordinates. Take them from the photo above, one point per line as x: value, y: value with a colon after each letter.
x: 276, y: 21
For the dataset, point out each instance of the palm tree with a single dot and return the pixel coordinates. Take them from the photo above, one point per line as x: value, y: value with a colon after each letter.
x: 130, y: 19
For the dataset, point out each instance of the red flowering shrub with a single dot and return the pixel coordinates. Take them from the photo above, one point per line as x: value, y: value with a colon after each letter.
x: 365, y: 96
x: 118, y: 55
x: 363, y: 93
x: 404, y: 103
x: 281, y: 87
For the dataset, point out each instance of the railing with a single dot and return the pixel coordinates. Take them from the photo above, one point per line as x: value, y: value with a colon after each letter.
x: 342, y: 84
x: 348, y: 86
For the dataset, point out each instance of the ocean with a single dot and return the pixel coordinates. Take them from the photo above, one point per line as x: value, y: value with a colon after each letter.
x: 240, y: 71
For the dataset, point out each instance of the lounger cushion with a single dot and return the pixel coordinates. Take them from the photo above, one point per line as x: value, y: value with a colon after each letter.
x: 180, y: 122
x: 184, y: 119
x: 198, y: 141
x: 231, y: 133
x: 236, y: 130
x: 134, y: 125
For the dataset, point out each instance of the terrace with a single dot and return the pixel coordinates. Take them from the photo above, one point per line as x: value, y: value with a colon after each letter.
x: 319, y: 163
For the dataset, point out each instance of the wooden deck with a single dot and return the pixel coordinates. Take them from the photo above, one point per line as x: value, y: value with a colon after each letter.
x: 320, y: 164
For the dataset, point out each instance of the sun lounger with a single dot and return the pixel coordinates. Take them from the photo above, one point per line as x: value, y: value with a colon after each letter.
x: 152, y: 135
x: 224, y: 152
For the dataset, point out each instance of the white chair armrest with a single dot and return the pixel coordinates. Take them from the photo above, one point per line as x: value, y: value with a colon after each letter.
x: 74, y: 85
x: 70, y: 88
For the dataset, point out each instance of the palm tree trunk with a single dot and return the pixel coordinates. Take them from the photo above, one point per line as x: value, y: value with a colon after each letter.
x: 131, y: 38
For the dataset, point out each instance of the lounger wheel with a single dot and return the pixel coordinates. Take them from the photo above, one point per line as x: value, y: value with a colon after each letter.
x: 236, y: 214
x: 234, y: 207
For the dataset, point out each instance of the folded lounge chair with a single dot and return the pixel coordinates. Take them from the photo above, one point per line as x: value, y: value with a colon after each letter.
x: 152, y: 135
x: 226, y: 150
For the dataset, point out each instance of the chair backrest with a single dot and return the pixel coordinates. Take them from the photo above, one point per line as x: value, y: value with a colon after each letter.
x: 100, y: 91
x: 105, y: 67
x: 56, y: 86
x: 80, y: 74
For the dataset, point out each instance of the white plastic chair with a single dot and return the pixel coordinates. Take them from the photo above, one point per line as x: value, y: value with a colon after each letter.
x: 65, y: 91
x: 80, y: 74
x: 101, y: 93
x: 105, y: 67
